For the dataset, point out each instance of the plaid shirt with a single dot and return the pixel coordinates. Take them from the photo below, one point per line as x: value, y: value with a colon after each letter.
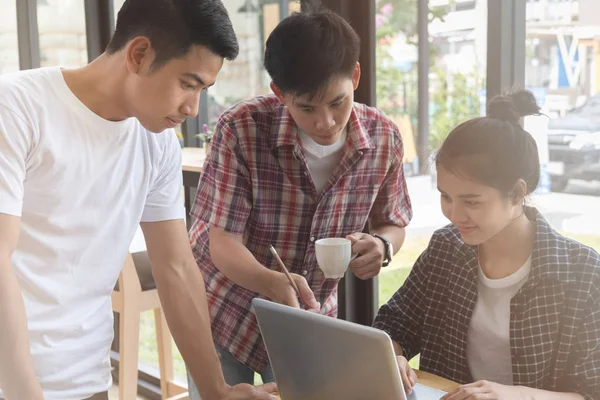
x: 255, y: 183
x: 555, y: 317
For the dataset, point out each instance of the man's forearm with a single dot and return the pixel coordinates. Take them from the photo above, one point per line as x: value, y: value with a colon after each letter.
x: 394, y: 233
x: 17, y: 376
x: 183, y: 298
x: 237, y: 263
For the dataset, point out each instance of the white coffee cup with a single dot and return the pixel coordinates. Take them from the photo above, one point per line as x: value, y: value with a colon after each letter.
x: 333, y: 256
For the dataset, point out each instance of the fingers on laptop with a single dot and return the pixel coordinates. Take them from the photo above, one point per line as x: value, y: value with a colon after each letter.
x: 409, y: 377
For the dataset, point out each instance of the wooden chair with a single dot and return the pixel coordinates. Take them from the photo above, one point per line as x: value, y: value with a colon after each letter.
x: 135, y: 293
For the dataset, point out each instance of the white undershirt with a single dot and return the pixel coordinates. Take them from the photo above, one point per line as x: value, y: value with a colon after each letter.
x: 321, y: 160
x: 488, y: 340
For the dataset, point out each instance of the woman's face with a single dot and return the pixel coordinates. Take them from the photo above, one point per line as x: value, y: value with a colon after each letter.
x: 479, y: 212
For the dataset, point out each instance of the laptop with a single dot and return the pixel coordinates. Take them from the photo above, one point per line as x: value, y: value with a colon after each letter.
x: 315, y: 357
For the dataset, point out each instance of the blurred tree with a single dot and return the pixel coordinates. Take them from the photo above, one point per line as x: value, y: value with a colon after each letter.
x: 455, y: 99
x: 397, y: 86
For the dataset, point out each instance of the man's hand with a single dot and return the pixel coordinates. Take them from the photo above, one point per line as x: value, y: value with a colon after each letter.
x: 248, y: 392
x: 409, y: 377
x: 281, y: 291
x: 485, y: 390
x: 371, y: 252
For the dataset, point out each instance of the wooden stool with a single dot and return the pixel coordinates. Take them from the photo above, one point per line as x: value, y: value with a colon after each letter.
x: 135, y: 293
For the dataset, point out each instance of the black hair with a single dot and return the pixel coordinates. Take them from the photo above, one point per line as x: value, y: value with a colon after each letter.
x: 174, y: 26
x: 495, y: 150
x: 310, y: 48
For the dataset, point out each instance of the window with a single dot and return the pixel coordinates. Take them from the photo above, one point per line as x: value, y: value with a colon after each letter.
x: 9, y: 47
x: 61, y: 25
x: 562, y: 68
x: 245, y: 77
x: 457, y: 41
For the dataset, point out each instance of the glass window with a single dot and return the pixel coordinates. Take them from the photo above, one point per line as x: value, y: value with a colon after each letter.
x: 61, y: 25
x: 562, y: 68
x: 457, y: 40
x: 245, y: 77
x: 9, y: 46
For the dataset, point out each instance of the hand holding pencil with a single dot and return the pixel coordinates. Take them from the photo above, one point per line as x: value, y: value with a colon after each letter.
x: 293, y: 287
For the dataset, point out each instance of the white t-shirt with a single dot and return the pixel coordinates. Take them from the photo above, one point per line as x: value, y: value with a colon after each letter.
x: 488, y: 339
x: 81, y: 185
x: 322, y: 160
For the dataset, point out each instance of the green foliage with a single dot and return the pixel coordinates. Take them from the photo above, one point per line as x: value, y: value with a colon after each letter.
x: 395, y: 16
x: 397, y: 89
x: 455, y: 99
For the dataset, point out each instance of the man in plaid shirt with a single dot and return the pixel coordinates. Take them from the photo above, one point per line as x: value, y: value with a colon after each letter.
x: 286, y: 170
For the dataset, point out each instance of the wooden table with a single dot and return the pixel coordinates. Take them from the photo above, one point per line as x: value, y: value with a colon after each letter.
x: 192, y: 159
x: 434, y: 381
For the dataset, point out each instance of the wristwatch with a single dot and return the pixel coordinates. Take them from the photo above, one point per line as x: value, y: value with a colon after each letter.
x: 389, y: 250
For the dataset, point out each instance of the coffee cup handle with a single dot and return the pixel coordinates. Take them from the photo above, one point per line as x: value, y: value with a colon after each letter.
x: 353, y: 256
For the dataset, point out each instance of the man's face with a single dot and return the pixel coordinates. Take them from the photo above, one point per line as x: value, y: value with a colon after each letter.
x: 163, y: 97
x: 323, y: 117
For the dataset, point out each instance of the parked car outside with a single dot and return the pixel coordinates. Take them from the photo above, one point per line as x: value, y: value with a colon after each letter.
x: 574, y: 145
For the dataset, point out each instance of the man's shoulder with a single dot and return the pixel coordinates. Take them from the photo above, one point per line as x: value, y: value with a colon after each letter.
x: 157, y: 147
x: 24, y: 92
x: 375, y: 120
x: 368, y: 113
x: 22, y: 82
x: 258, y: 107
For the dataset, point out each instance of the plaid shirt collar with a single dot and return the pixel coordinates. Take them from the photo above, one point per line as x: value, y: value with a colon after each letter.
x: 285, y: 132
x: 547, y: 259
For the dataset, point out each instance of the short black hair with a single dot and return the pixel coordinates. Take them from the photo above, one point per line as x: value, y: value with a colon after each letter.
x: 495, y: 150
x: 308, y: 49
x: 174, y: 26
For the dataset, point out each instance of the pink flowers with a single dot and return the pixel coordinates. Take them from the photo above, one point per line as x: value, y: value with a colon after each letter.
x: 382, y: 16
x: 386, y: 8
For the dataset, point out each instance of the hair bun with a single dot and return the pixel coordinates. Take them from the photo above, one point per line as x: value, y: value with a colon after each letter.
x: 313, y: 6
x: 512, y: 106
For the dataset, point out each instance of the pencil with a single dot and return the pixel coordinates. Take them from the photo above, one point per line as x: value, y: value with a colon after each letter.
x: 285, y: 270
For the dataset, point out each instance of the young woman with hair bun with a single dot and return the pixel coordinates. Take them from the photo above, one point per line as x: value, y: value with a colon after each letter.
x: 499, y: 301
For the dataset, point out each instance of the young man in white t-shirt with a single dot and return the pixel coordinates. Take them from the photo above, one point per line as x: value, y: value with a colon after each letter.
x: 86, y: 155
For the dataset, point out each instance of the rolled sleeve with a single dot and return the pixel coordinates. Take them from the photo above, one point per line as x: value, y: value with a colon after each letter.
x: 16, y: 142
x: 392, y: 205
x: 224, y: 195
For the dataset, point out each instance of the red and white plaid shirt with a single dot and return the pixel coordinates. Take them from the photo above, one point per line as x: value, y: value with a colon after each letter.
x: 255, y: 183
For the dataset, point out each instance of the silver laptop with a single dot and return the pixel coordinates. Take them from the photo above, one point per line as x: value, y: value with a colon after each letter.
x: 315, y: 357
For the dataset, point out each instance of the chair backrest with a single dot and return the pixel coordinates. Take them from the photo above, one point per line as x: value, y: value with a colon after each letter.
x: 129, y: 280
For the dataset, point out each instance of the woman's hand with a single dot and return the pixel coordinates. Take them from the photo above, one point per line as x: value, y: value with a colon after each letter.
x: 481, y: 390
x: 409, y: 377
